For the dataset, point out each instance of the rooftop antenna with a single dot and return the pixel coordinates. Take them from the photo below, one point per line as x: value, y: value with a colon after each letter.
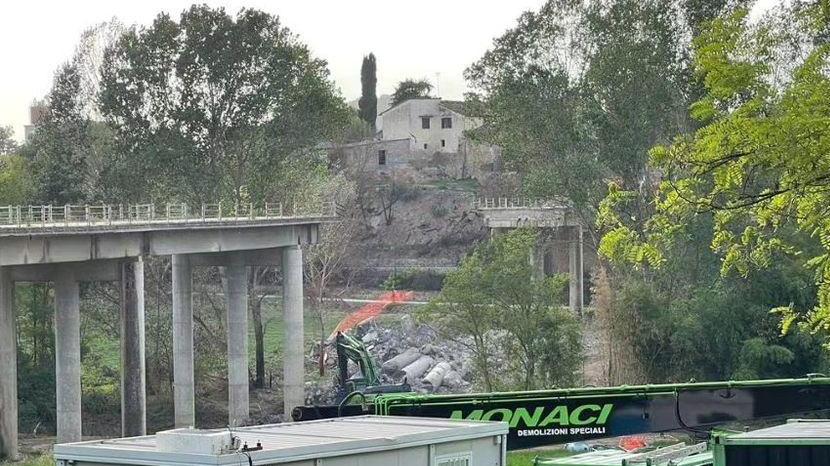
x: 438, y: 84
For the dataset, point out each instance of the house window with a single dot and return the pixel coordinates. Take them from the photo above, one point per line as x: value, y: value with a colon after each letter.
x: 446, y: 123
x: 443, y: 143
x: 381, y: 157
x: 425, y: 146
x: 424, y: 122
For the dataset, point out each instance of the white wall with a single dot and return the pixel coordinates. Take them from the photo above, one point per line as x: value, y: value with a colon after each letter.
x: 404, y: 121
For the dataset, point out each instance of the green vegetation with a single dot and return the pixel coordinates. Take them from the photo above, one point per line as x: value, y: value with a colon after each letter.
x: 525, y: 458
x: 757, y: 170
x: 411, y: 89
x: 7, y: 143
x: 368, y: 103
x: 16, y: 183
x: 43, y: 460
x: 724, y: 220
x: 494, y: 300
x: 469, y: 185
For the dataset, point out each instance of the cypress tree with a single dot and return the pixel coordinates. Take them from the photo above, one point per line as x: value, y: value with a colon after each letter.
x: 368, y: 103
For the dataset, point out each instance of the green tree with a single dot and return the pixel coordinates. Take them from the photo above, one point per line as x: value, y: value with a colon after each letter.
x: 217, y: 107
x: 494, y: 301
x: 411, y: 89
x: 576, y: 93
x: 72, y: 149
x: 8, y: 144
x: 758, y: 166
x: 16, y: 184
x: 59, y: 147
x: 368, y: 102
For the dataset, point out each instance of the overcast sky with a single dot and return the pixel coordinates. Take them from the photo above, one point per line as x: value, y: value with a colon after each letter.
x: 410, y: 39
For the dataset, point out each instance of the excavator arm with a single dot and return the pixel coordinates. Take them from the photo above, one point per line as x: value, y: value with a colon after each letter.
x: 539, y: 418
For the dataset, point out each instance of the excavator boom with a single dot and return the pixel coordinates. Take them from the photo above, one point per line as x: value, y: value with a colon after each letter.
x: 539, y: 418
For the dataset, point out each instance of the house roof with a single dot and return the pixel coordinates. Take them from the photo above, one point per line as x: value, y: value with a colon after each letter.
x: 456, y: 106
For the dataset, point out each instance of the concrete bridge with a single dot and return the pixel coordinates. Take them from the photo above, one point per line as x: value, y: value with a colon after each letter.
x: 563, y: 228
x: 67, y: 245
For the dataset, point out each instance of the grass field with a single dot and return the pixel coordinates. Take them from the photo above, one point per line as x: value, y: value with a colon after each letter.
x: 45, y: 460
x: 525, y: 458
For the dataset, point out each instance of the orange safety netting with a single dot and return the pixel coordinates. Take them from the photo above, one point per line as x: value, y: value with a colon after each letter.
x: 633, y: 443
x: 372, y: 310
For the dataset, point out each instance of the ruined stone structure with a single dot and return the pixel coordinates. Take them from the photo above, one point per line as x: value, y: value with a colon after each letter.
x: 560, y: 228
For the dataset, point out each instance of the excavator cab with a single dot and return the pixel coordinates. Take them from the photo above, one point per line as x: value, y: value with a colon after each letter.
x: 367, y: 381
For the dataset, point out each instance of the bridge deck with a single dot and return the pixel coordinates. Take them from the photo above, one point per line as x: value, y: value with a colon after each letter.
x: 75, y: 219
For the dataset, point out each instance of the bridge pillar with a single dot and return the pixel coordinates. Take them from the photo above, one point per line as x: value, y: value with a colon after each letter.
x: 68, y: 357
x: 292, y: 306
x: 576, y: 293
x: 236, y: 293
x: 8, y: 368
x: 133, y: 372
x: 183, y: 379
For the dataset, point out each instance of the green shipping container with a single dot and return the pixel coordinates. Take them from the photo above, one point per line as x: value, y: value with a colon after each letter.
x: 799, y: 442
x: 675, y: 455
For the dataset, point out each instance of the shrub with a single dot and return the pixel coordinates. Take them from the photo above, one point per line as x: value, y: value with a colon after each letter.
x: 439, y: 210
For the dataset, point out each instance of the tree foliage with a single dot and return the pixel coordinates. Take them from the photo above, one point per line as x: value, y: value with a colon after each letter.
x: 758, y: 167
x: 411, y: 89
x: 368, y: 103
x: 16, y: 183
x: 72, y: 148
x: 218, y: 107
x: 8, y: 144
x: 578, y: 92
x: 493, y: 301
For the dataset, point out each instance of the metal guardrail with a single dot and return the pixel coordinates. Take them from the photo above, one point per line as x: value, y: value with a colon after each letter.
x: 66, y: 217
x: 485, y: 203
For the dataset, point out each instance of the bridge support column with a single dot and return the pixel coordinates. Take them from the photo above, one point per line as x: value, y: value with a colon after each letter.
x: 236, y: 293
x: 133, y: 373
x: 184, y: 406
x: 68, y: 357
x: 576, y: 293
x: 8, y: 368
x: 537, y: 259
x: 292, y: 307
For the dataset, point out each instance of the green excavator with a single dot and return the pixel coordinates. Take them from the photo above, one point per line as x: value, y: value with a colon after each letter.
x: 367, y: 380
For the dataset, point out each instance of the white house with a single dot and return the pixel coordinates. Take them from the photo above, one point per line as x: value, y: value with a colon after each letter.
x: 434, y: 125
x: 424, y: 138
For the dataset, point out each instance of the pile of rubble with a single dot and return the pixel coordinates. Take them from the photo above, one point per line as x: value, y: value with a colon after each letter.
x: 407, y: 352
x: 416, y: 354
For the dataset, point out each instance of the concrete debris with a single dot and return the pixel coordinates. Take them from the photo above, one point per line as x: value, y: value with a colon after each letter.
x: 370, y: 337
x: 396, y: 364
x: 417, y: 368
x: 435, y: 377
x: 404, y: 349
x: 453, y: 380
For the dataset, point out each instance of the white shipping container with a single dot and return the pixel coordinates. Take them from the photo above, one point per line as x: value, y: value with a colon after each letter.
x: 351, y: 441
